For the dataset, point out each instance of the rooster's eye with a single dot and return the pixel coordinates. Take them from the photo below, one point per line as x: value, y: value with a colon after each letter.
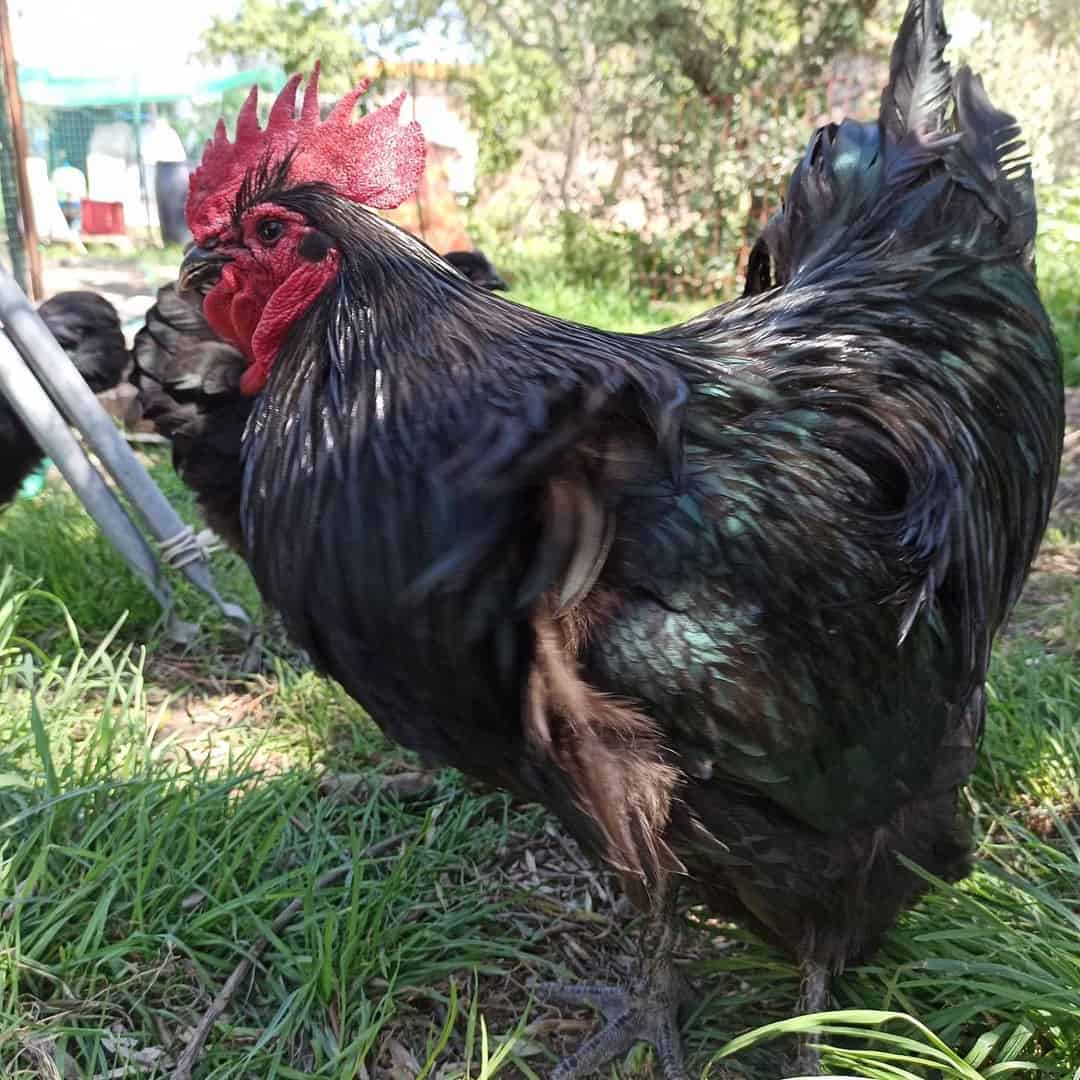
x: 270, y: 230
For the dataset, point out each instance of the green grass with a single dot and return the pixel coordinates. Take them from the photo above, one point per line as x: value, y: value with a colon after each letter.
x: 157, y: 812
x: 538, y: 280
x: 137, y: 866
x: 135, y: 876
x: 51, y: 540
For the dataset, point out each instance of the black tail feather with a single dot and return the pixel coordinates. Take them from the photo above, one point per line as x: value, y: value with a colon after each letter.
x: 992, y: 161
x: 917, y: 97
x: 910, y: 177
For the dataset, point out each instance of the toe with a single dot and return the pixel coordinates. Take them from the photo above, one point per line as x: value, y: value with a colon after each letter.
x: 612, y: 1001
x: 669, y: 1050
x: 614, y: 1040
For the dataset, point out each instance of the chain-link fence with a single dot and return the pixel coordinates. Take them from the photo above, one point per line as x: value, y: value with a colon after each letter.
x: 12, y: 239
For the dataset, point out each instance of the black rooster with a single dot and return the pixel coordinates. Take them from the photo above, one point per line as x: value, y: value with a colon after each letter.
x: 188, y: 383
x: 88, y: 328
x: 721, y: 597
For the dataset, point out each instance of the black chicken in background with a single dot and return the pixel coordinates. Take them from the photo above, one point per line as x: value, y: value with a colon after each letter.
x: 88, y: 329
x: 188, y: 384
x: 721, y: 597
x: 476, y: 266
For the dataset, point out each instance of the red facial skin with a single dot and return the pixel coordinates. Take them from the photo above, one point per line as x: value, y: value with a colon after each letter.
x: 265, y: 287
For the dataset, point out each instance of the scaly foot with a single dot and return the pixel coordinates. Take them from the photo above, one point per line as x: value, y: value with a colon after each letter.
x: 806, y: 1061
x: 647, y: 1011
x: 813, y: 998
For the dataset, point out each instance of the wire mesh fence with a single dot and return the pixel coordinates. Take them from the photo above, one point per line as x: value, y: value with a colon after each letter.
x: 12, y: 239
x: 112, y: 173
x: 106, y: 160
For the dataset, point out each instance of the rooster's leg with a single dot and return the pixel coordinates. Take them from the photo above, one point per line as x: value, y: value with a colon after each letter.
x: 645, y: 1011
x: 813, y: 998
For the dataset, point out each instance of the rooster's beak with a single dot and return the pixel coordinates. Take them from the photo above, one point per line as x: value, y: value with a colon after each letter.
x: 201, y: 269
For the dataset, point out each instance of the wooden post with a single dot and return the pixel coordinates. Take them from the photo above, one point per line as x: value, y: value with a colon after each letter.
x: 19, y: 148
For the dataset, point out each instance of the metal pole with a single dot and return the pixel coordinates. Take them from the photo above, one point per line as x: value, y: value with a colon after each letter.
x: 18, y: 134
x: 67, y: 388
x: 39, y: 414
x: 144, y: 186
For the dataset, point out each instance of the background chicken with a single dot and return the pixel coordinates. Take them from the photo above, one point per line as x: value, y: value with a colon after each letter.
x: 721, y: 597
x: 88, y: 328
x: 188, y: 383
x: 476, y: 266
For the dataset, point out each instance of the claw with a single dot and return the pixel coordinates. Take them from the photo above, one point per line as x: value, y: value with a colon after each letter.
x: 647, y: 1011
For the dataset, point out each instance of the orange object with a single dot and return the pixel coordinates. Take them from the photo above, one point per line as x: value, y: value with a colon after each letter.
x: 433, y: 213
x: 102, y: 218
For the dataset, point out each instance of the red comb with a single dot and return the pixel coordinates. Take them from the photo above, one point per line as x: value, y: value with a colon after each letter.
x: 374, y: 161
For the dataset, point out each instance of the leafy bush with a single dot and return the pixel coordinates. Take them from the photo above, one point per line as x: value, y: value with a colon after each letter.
x: 592, y: 254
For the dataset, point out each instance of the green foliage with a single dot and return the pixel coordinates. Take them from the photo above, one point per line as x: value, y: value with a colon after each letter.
x: 292, y: 35
x: 1059, y: 269
x: 674, y: 121
x: 670, y: 266
x: 594, y: 255
x: 1056, y: 22
x: 588, y: 285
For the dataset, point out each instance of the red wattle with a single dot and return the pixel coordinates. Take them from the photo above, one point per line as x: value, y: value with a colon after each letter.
x: 238, y: 311
x: 287, y: 304
x: 253, y: 379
